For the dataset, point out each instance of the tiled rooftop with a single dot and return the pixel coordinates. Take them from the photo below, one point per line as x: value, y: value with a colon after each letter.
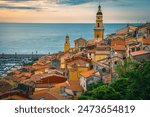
x: 121, y: 48
x: 146, y: 41
x: 43, y: 94
x: 118, y: 42
x: 140, y: 52
x: 88, y: 73
x: 73, y: 85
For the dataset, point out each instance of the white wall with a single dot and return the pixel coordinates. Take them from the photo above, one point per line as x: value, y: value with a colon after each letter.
x: 83, y: 82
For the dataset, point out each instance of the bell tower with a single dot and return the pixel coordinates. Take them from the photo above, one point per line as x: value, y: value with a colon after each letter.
x: 67, y: 44
x: 99, y: 28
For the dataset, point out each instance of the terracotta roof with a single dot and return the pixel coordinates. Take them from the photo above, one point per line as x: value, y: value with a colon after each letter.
x: 118, y: 42
x: 102, y: 47
x: 39, y: 67
x: 46, y: 78
x: 43, y: 85
x: 73, y: 82
x: 43, y: 94
x: 59, y: 84
x: 91, y: 51
x: 74, y: 85
x: 122, y: 48
x: 52, y: 78
x: 88, y: 73
x: 26, y: 74
x: 77, y: 58
x: 90, y: 43
x: 146, y: 41
x: 136, y: 53
x: 75, y: 88
x: 22, y: 79
x: 116, y: 36
x: 17, y: 72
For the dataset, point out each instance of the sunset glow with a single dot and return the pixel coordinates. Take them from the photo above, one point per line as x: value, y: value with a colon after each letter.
x: 73, y: 11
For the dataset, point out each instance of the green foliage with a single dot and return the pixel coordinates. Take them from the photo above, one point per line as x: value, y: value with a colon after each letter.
x: 121, y: 85
x: 94, y: 85
x: 84, y: 97
x: 133, y: 82
x: 140, y: 87
x: 105, y: 92
x: 123, y: 71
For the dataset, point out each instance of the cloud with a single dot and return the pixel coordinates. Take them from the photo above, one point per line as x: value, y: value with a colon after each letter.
x: 78, y: 2
x: 17, y: 0
x: 45, y: 4
x: 67, y: 2
x: 18, y: 7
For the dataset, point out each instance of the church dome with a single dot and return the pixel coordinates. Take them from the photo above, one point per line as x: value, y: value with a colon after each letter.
x: 99, y: 10
x: 67, y: 36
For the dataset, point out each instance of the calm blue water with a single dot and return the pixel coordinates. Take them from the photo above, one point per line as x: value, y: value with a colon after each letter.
x: 44, y: 38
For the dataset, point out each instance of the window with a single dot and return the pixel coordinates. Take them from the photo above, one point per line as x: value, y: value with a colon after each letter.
x: 98, y: 25
x: 97, y: 36
x: 138, y: 48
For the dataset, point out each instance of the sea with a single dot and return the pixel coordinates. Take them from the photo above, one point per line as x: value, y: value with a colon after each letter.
x: 44, y: 38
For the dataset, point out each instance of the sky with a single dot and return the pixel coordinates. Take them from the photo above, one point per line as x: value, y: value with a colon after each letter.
x: 74, y: 11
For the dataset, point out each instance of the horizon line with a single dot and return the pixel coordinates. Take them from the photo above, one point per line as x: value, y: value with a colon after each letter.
x: 74, y: 22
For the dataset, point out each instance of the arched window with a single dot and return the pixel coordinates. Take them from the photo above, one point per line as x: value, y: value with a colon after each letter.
x: 98, y: 25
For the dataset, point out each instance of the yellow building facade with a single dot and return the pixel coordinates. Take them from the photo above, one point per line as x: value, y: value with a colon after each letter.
x: 100, y: 57
x: 75, y: 75
x: 67, y: 44
x: 99, y: 28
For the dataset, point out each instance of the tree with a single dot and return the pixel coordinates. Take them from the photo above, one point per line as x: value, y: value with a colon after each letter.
x: 84, y: 97
x: 140, y: 87
x: 92, y: 86
x: 133, y: 82
x: 124, y: 70
x: 121, y: 86
x: 138, y: 74
x: 105, y: 92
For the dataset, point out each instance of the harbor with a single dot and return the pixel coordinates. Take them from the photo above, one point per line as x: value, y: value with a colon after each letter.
x: 12, y: 62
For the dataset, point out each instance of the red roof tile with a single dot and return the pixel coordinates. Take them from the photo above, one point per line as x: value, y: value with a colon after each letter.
x: 43, y: 94
x: 119, y: 48
x: 136, y: 53
x: 90, y: 43
x: 91, y: 51
x: 74, y: 85
x: 146, y: 41
x: 118, y: 42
